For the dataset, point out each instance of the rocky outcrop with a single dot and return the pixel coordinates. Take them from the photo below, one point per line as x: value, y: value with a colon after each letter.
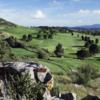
x: 37, y: 72
x: 91, y: 97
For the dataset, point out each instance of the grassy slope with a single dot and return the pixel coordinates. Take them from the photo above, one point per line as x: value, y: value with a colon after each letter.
x: 19, y: 31
x: 70, y: 44
x: 58, y: 66
x: 69, y: 60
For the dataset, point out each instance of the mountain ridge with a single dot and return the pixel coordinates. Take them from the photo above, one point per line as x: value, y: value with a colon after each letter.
x: 93, y: 26
x: 4, y: 22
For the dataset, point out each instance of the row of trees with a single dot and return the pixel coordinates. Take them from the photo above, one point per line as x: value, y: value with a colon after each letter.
x: 81, y: 54
x: 45, y: 54
x: 89, y: 41
x: 90, y: 49
x: 49, y: 32
x: 27, y: 37
x: 45, y: 34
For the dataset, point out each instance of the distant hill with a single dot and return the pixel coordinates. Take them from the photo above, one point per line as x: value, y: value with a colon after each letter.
x: 4, y: 22
x: 89, y: 27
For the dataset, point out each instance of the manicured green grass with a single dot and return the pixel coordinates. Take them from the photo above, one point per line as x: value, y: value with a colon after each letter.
x: 19, y: 31
x: 70, y: 44
x: 58, y: 66
x: 23, y: 53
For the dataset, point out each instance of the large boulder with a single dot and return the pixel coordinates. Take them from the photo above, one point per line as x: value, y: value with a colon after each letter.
x: 91, y: 97
x: 68, y: 96
x: 37, y: 72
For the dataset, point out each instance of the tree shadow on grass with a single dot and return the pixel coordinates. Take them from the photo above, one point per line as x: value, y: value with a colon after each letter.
x: 78, y: 46
x: 72, y: 55
x: 79, y: 39
x: 97, y: 58
x: 54, y: 63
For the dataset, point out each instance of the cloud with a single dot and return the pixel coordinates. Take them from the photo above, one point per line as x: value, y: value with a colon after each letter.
x: 96, y: 11
x: 87, y: 11
x: 39, y: 15
x: 22, y: 17
x: 82, y: 11
x: 82, y: 17
x: 51, y: 16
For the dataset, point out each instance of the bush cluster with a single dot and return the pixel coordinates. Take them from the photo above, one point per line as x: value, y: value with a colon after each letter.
x: 14, y: 43
x: 23, y: 88
x: 27, y: 37
x: 84, y: 74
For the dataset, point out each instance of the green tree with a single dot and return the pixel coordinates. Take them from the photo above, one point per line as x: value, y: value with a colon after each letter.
x: 96, y: 41
x: 59, y: 51
x: 24, y: 38
x: 30, y: 37
x: 94, y: 48
x: 82, y: 54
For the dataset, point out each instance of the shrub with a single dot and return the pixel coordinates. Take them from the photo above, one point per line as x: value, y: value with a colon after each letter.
x: 87, y: 44
x: 14, y: 43
x: 84, y: 74
x: 45, y: 36
x: 38, y: 36
x: 55, y: 91
x: 23, y: 88
x: 96, y: 41
x: 82, y: 54
x: 11, y: 41
x: 29, y: 37
x: 50, y: 35
x: 5, y: 51
x: 42, y: 54
x: 72, y: 33
x: 24, y: 38
x: 59, y: 52
x: 86, y: 38
x: 82, y: 37
x: 94, y: 49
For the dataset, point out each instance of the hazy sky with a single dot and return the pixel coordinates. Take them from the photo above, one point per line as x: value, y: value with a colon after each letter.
x: 51, y: 12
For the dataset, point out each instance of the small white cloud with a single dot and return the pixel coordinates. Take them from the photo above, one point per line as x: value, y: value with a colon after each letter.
x: 39, y: 15
x: 81, y: 11
x: 96, y: 11
x: 86, y: 11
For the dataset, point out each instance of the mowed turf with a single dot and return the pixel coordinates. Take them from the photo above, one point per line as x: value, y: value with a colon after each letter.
x: 70, y: 44
x: 58, y: 66
x: 19, y: 31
